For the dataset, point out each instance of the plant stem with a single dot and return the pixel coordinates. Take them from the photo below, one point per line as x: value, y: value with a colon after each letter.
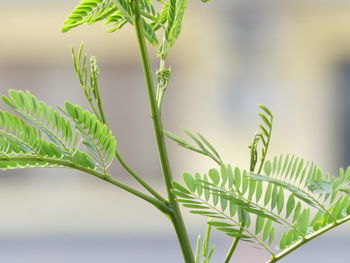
x: 237, y: 239
x: 161, y: 87
x: 232, y: 249
x: 175, y: 215
x: 100, y: 106
x: 122, y: 162
x: 138, y: 178
x: 162, y: 206
x: 307, y: 239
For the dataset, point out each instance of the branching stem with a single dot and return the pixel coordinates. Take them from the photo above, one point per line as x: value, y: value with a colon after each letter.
x: 65, y: 163
x: 161, y: 87
x: 232, y: 248
x: 122, y: 162
x: 175, y: 216
x: 127, y: 168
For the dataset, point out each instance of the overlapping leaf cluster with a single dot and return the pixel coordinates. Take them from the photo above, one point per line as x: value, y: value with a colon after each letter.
x: 285, y: 200
x: 39, y: 136
x: 279, y: 198
x: 161, y: 14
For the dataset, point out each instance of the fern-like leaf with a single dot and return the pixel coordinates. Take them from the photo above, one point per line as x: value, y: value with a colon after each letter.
x: 97, y: 138
x: 176, y: 12
x: 21, y: 146
x: 43, y: 117
x: 202, y: 145
x: 223, y: 195
x: 235, y: 198
x: 88, y: 11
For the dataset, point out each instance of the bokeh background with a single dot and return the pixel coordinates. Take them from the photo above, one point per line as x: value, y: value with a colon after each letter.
x: 292, y: 55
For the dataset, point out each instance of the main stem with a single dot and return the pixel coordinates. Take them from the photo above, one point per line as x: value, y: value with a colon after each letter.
x: 175, y: 214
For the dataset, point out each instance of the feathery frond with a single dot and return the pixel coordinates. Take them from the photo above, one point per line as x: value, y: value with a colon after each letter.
x: 279, y: 198
x: 117, y: 13
x: 202, y: 145
x: 97, y: 138
x: 22, y: 146
x: 176, y: 12
x: 89, y: 11
x: 43, y: 117
x: 42, y: 137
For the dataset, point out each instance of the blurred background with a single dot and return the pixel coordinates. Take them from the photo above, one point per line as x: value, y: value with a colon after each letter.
x: 292, y: 55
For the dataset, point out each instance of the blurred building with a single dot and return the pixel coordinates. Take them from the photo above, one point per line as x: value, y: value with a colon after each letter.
x: 293, y: 56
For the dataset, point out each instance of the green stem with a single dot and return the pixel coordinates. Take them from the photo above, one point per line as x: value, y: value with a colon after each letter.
x: 237, y: 239
x: 175, y: 216
x: 161, y: 87
x: 307, y: 239
x: 138, y: 178
x: 119, y: 157
x: 100, y: 106
x: 232, y: 249
x: 162, y: 206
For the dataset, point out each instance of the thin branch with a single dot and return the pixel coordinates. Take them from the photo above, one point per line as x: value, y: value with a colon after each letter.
x: 155, y: 202
x: 127, y: 168
x: 233, y: 247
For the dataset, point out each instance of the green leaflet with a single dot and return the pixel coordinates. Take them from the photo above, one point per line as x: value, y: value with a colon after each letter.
x: 214, y: 176
x: 97, y: 138
x: 25, y: 142
x: 125, y: 9
x: 150, y: 34
x: 190, y: 181
x: 259, y: 224
x: 16, y: 136
x: 116, y: 22
x: 88, y: 11
x: 175, y: 16
x: 290, y: 205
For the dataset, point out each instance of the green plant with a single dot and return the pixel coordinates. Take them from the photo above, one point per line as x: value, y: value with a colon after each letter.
x: 285, y: 200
